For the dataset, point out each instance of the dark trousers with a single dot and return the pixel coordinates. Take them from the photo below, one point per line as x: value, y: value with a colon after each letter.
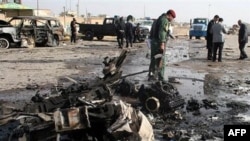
x: 242, y: 50
x: 73, y: 37
x: 120, y: 39
x: 217, y: 46
x: 209, y: 49
x: 129, y: 40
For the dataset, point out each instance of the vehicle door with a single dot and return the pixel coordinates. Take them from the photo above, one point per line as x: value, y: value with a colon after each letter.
x: 17, y: 23
x: 49, y: 33
x: 57, y: 28
x: 109, y: 27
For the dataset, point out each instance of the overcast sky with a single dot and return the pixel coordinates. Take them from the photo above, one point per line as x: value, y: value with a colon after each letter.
x: 229, y: 10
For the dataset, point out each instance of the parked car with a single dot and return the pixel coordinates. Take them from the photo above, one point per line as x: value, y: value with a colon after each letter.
x: 141, y: 34
x: 145, y: 23
x: 108, y: 28
x: 31, y: 31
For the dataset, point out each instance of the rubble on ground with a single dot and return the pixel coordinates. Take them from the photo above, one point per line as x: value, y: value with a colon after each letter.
x: 81, y: 109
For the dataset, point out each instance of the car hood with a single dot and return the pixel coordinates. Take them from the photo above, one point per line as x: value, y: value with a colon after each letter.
x: 3, y: 23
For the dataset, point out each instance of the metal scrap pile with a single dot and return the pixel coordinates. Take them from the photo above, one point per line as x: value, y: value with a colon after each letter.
x: 87, y: 110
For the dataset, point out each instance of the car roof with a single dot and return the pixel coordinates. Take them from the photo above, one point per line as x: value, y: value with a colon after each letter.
x: 34, y: 18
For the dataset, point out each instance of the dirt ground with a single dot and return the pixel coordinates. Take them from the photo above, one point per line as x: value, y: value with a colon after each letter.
x: 197, y: 78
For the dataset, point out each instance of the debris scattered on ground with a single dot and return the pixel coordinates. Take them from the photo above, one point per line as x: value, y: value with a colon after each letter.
x: 90, y: 107
x: 237, y: 107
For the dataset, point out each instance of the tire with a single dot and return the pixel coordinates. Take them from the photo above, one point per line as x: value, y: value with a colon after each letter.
x: 89, y: 35
x: 190, y: 37
x: 4, y: 43
x: 100, y: 37
x: 197, y: 37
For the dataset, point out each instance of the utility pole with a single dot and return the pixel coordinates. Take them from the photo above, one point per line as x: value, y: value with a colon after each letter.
x: 77, y: 6
x: 209, y: 5
x: 64, y: 16
x: 70, y: 5
x: 37, y: 7
x: 66, y: 4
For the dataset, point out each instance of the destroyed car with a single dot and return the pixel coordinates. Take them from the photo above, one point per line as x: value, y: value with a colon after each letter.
x: 31, y: 31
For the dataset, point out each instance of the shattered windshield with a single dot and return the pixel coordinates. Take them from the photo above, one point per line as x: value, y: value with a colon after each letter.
x: 15, y: 22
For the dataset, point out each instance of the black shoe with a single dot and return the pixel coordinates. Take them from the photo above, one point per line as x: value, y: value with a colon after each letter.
x: 209, y: 58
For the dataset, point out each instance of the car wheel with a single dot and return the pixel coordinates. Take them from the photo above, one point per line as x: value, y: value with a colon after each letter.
x: 197, y: 37
x: 190, y: 37
x: 4, y: 43
x: 89, y: 35
x: 100, y: 37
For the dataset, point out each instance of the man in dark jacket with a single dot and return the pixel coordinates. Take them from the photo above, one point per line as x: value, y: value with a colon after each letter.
x: 120, y: 32
x: 73, y: 30
x: 218, y: 30
x: 209, y: 37
x: 137, y: 32
x: 242, y: 39
x: 129, y: 31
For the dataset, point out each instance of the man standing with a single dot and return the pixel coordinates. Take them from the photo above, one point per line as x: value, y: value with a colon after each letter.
x: 129, y: 31
x: 120, y: 32
x: 242, y: 39
x: 218, y: 31
x: 137, y: 32
x: 209, y: 37
x: 73, y: 31
x: 159, y: 36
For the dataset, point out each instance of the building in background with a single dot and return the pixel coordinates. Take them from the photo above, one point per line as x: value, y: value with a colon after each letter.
x: 11, y: 1
x: 10, y: 8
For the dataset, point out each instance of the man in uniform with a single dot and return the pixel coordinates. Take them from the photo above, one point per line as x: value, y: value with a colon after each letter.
x: 159, y: 35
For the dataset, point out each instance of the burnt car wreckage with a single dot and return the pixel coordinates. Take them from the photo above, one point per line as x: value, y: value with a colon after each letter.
x: 91, y: 110
x: 31, y: 31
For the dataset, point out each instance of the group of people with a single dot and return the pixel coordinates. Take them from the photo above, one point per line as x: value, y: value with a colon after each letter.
x: 216, y: 38
x: 160, y: 32
x: 125, y: 31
